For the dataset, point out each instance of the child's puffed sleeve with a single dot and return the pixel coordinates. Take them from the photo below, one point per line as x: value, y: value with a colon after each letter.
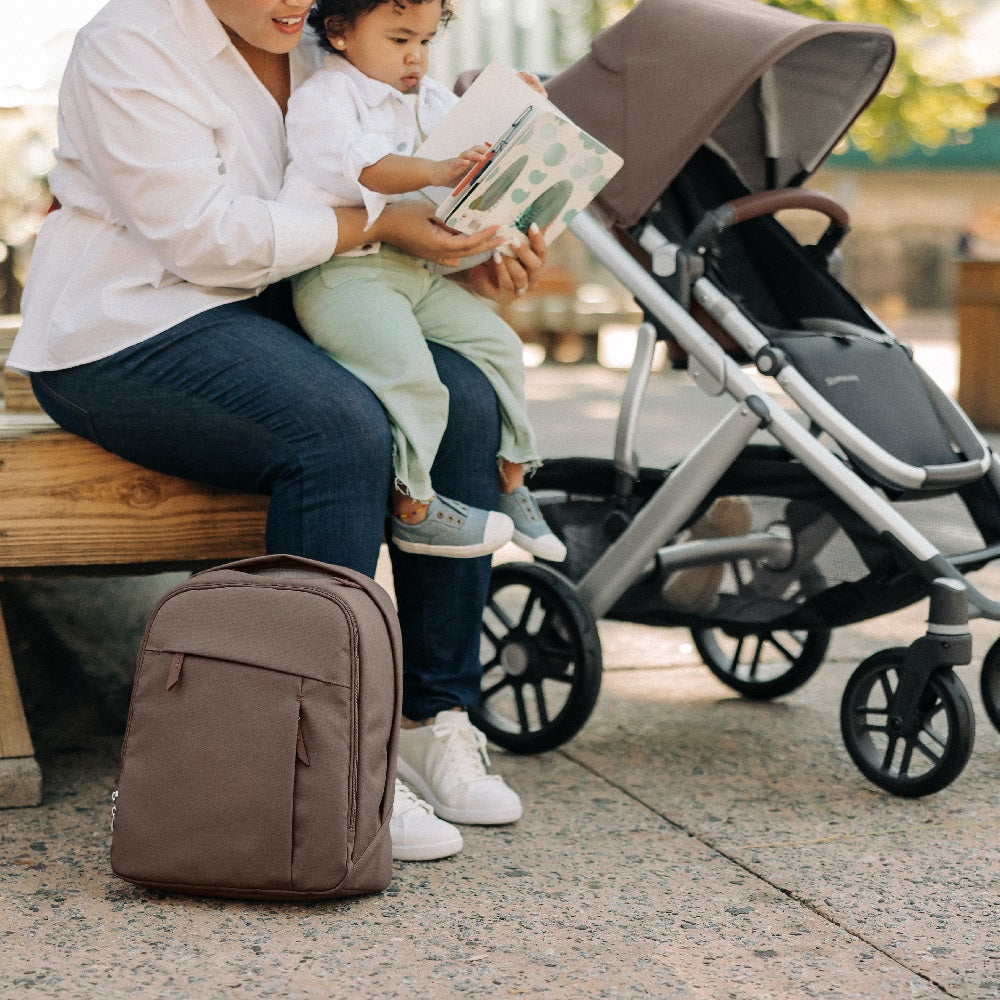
x: 330, y: 141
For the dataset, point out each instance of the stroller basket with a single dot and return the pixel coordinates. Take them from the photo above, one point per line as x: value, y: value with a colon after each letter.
x: 836, y: 571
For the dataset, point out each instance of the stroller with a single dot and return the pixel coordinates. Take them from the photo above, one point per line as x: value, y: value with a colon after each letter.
x: 868, y: 490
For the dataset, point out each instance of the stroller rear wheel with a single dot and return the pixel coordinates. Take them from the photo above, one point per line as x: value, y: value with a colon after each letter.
x: 989, y: 683
x: 541, y: 657
x: 762, y: 664
x: 911, y: 759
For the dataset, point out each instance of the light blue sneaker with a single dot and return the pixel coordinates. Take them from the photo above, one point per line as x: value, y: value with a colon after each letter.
x: 454, y: 530
x: 530, y: 530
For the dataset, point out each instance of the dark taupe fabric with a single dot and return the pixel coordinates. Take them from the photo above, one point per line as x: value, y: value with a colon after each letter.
x: 772, y: 90
x: 259, y: 758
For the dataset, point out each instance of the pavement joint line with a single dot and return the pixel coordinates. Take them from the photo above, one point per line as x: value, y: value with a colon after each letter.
x: 867, y: 835
x: 745, y: 866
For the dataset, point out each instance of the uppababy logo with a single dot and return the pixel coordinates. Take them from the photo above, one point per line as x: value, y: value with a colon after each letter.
x: 838, y: 379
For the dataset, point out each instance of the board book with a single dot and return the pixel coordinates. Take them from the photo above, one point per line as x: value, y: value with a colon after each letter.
x: 540, y: 167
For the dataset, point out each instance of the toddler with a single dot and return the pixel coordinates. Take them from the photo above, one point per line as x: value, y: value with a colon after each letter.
x: 352, y: 129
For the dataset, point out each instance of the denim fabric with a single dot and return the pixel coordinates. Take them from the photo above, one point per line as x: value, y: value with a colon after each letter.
x: 239, y: 399
x: 377, y: 314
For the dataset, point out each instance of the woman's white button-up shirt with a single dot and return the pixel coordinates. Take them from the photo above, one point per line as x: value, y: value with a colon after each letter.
x: 170, y: 163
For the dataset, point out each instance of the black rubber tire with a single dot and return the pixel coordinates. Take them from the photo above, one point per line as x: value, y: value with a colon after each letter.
x: 541, y: 657
x: 746, y: 663
x: 989, y: 683
x: 942, y: 742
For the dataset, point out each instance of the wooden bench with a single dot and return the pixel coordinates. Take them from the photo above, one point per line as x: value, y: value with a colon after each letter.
x: 69, y: 507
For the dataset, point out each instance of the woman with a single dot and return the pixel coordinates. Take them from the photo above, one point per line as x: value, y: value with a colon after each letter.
x: 156, y: 323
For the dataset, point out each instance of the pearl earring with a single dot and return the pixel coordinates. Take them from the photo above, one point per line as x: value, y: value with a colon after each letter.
x: 339, y: 43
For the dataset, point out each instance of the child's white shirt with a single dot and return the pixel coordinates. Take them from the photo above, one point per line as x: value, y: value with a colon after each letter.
x: 340, y: 121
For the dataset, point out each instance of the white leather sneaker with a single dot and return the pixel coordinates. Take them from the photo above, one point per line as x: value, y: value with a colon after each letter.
x: 417, y: 834
x: 446, y: 763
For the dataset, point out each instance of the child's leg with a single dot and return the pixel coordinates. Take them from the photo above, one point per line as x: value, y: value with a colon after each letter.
x: 511, y: 475
x: 360, y: 314
x: 449, y: 315
x: 359, y: 311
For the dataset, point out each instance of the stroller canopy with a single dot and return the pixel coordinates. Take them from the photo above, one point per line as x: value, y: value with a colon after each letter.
x: 772, y: 92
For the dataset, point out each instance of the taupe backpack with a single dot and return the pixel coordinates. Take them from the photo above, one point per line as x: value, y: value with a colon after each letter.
x: 259, y: 758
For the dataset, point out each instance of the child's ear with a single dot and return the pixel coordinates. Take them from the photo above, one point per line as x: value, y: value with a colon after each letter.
x: 334, y: 28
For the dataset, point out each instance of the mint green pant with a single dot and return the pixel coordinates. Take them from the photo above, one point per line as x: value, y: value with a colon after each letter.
x: 374, y: 314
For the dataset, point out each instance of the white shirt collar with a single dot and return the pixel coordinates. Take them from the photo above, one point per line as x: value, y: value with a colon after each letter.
x: 373, y: 92
x: 196, y: 20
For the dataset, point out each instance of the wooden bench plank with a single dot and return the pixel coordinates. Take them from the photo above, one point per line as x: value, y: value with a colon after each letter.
x: 67, y: 502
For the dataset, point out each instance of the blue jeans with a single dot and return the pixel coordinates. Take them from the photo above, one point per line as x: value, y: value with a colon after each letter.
x: 237, y: 397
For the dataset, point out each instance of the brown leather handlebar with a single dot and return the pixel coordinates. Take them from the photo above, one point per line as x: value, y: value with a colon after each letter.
x: 753, y: 206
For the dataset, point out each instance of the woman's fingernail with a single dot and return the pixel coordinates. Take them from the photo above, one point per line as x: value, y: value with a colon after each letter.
x: 533, y: 228
x: 497, y: 257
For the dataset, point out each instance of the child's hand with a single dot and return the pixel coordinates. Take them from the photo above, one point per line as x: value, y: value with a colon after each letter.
x: 445, y: 173
x: 532, y: 81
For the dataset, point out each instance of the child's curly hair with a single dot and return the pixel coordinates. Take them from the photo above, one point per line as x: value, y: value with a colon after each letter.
x: 330, y: 16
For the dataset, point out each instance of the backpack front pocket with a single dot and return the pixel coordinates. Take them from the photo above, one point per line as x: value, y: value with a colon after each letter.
x: 220, y: 809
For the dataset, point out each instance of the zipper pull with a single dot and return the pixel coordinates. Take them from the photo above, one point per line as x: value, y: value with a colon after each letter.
x: 300, y: 746
x: 175, y: 670
x: 114, y: 808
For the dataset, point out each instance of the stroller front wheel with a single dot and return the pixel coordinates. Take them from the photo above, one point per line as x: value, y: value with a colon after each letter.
x: 541, y: 657
x: 907, y: 759
x: 762, y: 665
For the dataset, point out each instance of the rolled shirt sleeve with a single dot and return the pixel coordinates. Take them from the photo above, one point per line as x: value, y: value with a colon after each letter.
x: 171, y: 174
x: 331, y: 139
x: 170, y: 161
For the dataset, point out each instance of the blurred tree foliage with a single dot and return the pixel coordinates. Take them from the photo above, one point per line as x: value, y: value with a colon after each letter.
x: 920, y: 103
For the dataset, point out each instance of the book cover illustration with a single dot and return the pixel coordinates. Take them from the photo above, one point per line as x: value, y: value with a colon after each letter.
x: 541, y: 167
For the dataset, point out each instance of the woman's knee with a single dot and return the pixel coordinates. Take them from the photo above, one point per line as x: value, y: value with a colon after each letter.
x: 472, y: 403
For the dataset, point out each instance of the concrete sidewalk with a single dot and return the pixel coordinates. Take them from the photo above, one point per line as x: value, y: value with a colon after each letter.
x: 687, y: 843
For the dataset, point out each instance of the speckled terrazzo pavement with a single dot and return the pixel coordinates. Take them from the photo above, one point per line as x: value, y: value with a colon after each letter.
x: 687, y: 843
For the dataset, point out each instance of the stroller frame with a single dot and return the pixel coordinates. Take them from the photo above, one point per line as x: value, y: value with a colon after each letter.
x: 906, y: 718
x: 717, y: 373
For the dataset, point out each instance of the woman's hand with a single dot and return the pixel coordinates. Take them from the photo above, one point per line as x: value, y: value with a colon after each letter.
x: 504, y: 276
x: 407, y: 225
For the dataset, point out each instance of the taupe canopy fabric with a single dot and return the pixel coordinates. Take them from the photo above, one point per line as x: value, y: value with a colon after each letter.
x: 771, y: 91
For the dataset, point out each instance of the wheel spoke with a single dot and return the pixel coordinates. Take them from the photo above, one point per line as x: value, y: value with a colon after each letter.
x: 564, y: 674
x: 557, y: 649
x: 869, y: 728
x: 781, y: 648
x: 493, y: 606
x: 755, y: 659
x: 886, y: 686
x: 890, y: 752
x: 489, y: 692
x: 865, y: 710
x: 522, y: 709
x: 929, y: 752
x: 734, y: 663
x: 904, y: 764
x: 493, y: 638
x: 529, y: 609
x: 543, y: 713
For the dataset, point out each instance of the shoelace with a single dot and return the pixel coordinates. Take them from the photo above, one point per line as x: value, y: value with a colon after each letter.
x: 405, y: 801
x: 465, y: 749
